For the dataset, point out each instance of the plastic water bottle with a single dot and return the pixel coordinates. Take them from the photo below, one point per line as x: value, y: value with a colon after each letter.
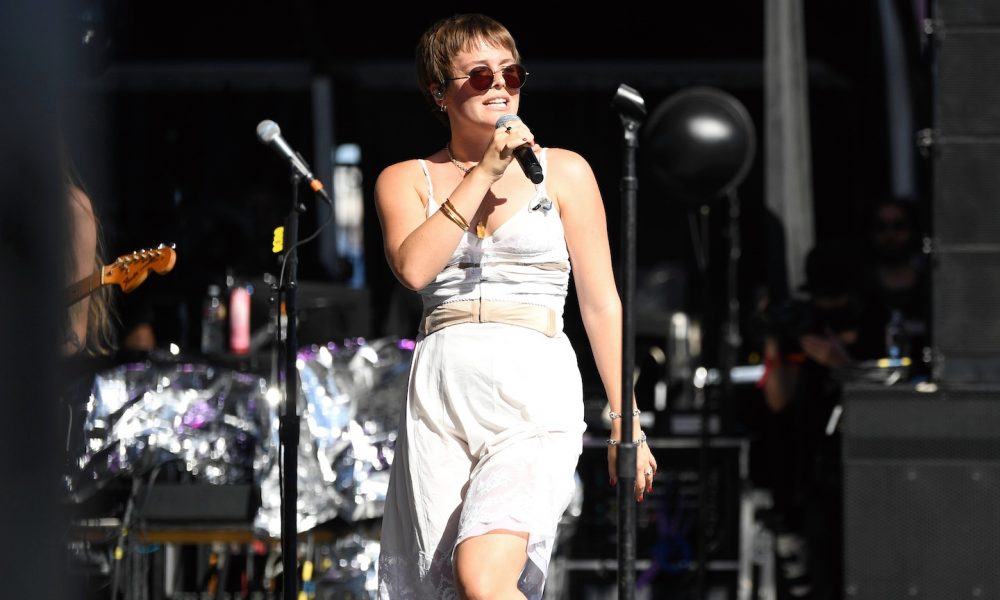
x: 239, y: 319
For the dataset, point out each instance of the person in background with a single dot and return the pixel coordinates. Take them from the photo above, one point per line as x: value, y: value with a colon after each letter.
x: 89, y: 336
x: 89, y: 326
x: 489, y: 441
x: 898, y: 287
x: 809, y: 344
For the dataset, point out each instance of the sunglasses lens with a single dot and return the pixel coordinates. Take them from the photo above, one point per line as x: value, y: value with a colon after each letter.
x: 481, y: 78
x: 513, y: 76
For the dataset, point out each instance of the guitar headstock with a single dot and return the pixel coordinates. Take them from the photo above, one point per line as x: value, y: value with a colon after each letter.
x: 130, y: 270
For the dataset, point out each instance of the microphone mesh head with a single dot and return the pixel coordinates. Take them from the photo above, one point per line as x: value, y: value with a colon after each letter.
x: 267, y: 130
x: 501, y: 122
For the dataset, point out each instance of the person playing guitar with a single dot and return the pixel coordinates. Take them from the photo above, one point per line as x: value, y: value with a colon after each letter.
x: 89, y: 319
x: 89, y: 325
x: 89, y: 338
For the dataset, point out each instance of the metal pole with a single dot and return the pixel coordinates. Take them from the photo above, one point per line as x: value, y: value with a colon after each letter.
x: 632, y: 109
x: 701, y: 395
x: 288, y: 432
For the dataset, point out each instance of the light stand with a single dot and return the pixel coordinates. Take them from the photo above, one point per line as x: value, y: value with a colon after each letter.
x: 700, y: 225
x: 632, y: 111
x: 703, y: 141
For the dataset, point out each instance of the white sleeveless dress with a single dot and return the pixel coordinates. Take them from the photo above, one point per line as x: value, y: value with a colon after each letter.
x: 493, y: 424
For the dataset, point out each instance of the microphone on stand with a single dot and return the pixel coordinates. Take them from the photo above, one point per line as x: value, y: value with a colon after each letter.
x: 269, y: 133
x: 524, y: 154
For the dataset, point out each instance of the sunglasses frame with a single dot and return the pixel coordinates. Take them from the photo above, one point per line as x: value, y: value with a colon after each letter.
x: 522, y: 76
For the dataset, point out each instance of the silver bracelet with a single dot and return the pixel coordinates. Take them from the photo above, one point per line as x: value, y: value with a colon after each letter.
x: 638, y: 442
x: 613, y: 415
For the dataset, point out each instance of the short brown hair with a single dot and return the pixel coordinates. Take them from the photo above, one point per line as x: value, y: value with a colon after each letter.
x: 440, y: 44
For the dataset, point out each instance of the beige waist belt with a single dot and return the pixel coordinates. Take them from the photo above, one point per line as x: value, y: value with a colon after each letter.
x: 532, y: 316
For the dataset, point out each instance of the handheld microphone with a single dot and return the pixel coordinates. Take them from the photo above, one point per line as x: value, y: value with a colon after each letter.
x: 524, y: 155
x: 269, y: 133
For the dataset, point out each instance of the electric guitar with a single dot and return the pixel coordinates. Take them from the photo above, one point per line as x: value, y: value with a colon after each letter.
x: 128, y: 271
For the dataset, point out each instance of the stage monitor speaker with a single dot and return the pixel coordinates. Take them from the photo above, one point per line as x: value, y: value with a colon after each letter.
x: 921, y: 492
x: 189, y: 502
x: 332, y: 312
x: 966, y: 208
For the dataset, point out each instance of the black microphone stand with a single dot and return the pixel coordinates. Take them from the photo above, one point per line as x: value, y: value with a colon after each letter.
x: 288, y: 429
x: 632, y: 110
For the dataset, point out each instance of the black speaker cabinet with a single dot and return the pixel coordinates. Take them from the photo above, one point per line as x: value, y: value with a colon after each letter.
x: 922, y: 492
x: 182, y: 503
x: 966, y: 207
x: 966, y: 296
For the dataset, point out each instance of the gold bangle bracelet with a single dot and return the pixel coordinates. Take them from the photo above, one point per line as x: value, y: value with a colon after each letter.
x: 454, y: 219
x: 450, y: 212
x: 451, y: 209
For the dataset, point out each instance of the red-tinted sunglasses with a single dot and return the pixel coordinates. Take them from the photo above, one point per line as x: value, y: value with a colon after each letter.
x: 481, y: 78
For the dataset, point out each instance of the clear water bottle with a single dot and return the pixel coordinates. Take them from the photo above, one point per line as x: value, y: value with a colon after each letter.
x: 213, y: 322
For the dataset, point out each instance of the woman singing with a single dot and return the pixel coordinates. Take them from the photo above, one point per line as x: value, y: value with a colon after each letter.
x: 492, y: 430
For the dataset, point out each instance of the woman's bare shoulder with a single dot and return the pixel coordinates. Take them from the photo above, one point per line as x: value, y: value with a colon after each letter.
x: 566, y: 161
x: 401, y: 179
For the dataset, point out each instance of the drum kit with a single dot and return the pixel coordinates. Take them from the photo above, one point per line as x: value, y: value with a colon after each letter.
x: 219, y: 426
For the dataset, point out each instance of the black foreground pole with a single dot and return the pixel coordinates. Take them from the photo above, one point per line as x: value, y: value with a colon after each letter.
x: 701, y: 395
x: 288, y: 429
x: 632, y: 110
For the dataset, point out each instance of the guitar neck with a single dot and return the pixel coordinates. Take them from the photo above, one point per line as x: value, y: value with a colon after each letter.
x: 128, y: 271
x: 83, y: 288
